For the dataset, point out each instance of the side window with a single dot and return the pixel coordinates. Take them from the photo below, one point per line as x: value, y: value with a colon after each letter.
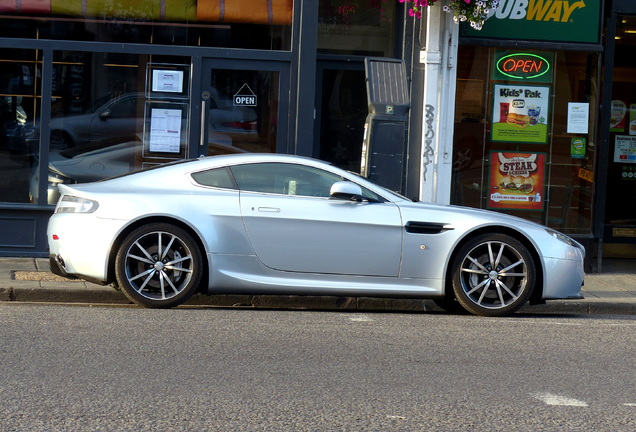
x: 284, y: 179
x: 218, y: 177
x: 371, y: 196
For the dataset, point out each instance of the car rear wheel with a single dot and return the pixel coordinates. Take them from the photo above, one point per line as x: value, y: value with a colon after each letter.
x: 158, y: 266
x: 493, y: 275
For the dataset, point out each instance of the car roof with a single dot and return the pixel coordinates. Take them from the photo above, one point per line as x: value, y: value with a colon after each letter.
x: 173, y: 174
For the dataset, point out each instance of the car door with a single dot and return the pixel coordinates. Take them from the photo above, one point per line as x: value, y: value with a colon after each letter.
x: 118, y: 119
x: 294, y: 226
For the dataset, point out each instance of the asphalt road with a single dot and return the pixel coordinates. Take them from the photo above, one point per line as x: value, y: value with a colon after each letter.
x: 80, y: 368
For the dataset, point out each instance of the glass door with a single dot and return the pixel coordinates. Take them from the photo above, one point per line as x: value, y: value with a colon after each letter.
x: 243, y: 107
x: 620, y: 208
x: 341, y: 95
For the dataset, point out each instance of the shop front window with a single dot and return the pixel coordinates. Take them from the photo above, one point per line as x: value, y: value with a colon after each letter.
x: 20, y: 72
x: 620, y: 210
x: 99, y: 110
x: 357, y: 27
x: 527, y: 146
x: 212, y: 23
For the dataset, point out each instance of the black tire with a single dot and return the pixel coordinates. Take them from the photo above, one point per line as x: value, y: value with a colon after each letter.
x: 158, y: 266
x: 493, y: 275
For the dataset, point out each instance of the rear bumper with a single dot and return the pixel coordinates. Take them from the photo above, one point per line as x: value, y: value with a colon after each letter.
x: 57, y: 267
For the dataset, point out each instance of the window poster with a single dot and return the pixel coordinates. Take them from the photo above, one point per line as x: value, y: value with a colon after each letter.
x: 618, y: 116
x: 625, y: 149
x: 170, y: 81
x: 516, y: 181
x: 578, y: 146
x: 578, y: 118
x: 520, y: 113
x: 165, y: 130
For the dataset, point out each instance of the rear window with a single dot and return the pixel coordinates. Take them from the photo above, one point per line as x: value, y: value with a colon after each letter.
x: 218, y: 178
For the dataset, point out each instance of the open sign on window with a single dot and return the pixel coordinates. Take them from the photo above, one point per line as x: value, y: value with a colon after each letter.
x: 245, y: 97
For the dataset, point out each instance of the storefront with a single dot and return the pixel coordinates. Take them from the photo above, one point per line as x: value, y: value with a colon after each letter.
x: 94, y: 89
x: 617, y: 199
x: 528, y: 138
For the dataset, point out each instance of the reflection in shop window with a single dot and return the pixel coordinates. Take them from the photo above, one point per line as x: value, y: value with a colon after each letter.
x: 20, y: 72
x: 232, y: 24
x: 357, y: 27
x: 97, y: 116
x: 243, y: 111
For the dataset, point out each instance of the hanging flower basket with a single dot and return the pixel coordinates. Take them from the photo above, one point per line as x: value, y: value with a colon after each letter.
x: 473, y: 11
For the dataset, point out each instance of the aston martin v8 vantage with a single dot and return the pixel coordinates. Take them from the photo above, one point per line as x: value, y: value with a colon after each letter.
x: 279, y: 224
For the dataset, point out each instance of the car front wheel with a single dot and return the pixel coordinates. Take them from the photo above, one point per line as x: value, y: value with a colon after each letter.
x: 158, y: 266
x: 493, y: 275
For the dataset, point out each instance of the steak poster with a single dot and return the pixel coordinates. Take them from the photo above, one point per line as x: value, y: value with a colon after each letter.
x: 516, y: 181
x: 520, y: 113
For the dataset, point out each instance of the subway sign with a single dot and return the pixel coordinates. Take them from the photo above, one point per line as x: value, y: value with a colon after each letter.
x: 574, y: 21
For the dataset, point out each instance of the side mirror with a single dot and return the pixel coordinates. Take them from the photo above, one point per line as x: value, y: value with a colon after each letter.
x: 104, y: 114
x: 346, y: 190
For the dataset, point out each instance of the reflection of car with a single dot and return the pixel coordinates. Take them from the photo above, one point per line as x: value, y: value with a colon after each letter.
x: 284, y: 224
x: 123, y: 116
x: 120, y: 116
x: 18, y: 136
x: 104, y: 159
x: 225, y: 117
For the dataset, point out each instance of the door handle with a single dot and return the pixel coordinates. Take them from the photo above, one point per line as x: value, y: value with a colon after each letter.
x: 203, y: 123
x: 269, y: 209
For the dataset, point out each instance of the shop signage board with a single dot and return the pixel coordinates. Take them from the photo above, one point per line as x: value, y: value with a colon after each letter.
x: 245, y: 97
x: 572, y: 21
x: 516, y: 181
x: 520, y: 113
x: 536, y: 67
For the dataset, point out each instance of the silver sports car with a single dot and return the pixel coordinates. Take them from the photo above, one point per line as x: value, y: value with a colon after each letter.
x: 278, y: 224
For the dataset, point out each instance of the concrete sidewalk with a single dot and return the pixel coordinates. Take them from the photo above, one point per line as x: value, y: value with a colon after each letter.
x: 29, y: 280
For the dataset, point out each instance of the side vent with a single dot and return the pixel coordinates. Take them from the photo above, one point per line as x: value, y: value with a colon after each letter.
x: 427, y: 227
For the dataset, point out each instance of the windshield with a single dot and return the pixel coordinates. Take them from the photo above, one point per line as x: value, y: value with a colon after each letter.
x: 388, y: 191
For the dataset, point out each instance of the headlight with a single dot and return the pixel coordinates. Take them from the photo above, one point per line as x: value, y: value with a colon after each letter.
x: 73, y: 204
x: 562, y: 237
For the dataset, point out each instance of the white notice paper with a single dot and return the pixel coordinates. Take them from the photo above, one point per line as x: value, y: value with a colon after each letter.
x: 578, y: 117
x: 165, y: 130
x: 167, y: 81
